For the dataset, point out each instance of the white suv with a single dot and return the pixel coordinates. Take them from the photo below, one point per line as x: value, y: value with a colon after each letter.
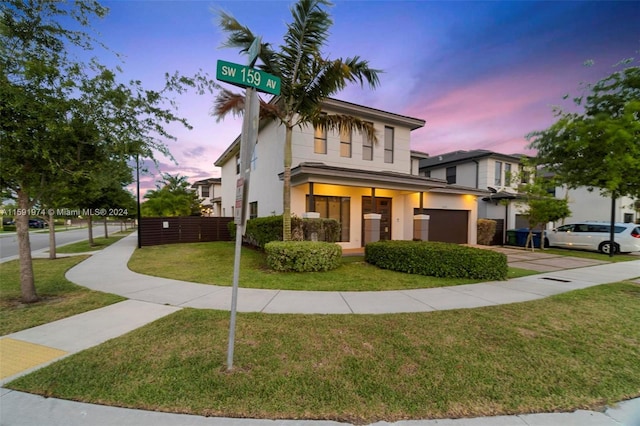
x: 595, y: 236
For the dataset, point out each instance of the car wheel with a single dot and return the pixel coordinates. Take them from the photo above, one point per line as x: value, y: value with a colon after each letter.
x: 546, y: 243
x: 606, y: 247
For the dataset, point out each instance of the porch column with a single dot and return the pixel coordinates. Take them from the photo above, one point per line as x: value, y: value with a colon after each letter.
x: 312, y: 203
x: 371, y: 227
x: 421, y: 227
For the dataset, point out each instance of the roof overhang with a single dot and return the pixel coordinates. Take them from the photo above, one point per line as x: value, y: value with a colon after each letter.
x: 321, y: 173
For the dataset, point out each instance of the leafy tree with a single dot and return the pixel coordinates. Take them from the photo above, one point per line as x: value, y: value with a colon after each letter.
x: 599, y: 146
x: 53, y: 105
x: 536, y: 199
x: 307, y: 78
x: 172, y: 197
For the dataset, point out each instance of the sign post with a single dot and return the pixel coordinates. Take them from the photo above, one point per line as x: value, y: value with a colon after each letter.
x: 252, y: 80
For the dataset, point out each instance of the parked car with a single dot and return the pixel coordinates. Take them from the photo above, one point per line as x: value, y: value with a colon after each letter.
x: 37, y: 223
x: 595, y: 236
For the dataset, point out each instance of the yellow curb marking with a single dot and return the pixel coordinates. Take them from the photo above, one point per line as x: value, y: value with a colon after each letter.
x: 17, y: 356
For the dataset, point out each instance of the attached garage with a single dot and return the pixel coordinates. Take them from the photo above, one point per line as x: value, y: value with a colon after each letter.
x: 449, y: 226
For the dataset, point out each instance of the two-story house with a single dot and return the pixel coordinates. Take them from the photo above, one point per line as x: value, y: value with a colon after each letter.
x: 501, y: 174
x: 482, y: 169
x: 354, y: 180
x: 210, y: 191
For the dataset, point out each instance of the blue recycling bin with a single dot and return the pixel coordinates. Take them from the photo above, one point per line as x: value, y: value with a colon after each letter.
x: 521, y: 237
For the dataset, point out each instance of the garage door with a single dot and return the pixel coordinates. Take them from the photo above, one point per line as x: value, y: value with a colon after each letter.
x: 449, y: 226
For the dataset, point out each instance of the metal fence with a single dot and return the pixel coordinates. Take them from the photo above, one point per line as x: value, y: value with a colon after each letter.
x: 191, y: 229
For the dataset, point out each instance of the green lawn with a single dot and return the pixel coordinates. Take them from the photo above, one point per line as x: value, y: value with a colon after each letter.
x: 212, y: 263
x: 591, y: 255
x: 578, y: 350
x: 60, y: 297
x: 98, y: 244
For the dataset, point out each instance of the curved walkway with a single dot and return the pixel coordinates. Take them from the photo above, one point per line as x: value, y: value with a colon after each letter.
x: 148, y: 299
x: 107, y: 271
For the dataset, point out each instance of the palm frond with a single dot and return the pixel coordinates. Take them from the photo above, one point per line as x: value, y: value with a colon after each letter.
x: 227, y: 102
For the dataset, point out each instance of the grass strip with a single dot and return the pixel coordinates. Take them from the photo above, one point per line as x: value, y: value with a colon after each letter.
x: 212, y: 263
x: 60, y: 298
x: 98, y: 244
x: 577, y: 350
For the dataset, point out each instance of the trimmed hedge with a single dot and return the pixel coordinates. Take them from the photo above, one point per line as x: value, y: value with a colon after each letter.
x: 303, y: 256
x: 486, y: 231
x: 437, y: 259
x: 263, y: 230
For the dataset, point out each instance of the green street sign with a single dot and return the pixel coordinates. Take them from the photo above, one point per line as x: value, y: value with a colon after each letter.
x: 244, y: 76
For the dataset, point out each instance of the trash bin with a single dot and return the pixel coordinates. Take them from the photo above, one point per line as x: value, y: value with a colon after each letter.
x: 511, y: 237
x: 523, y: 233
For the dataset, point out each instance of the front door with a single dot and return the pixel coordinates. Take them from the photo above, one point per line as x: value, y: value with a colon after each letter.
x: 383, y: 208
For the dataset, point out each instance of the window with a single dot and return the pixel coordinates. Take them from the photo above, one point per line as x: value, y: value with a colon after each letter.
x: 253, y: 210
x: 451, y: 175
x: 367, y: 147
x: 237, y: 164
x: 628, y: 218
x: 388, y: 144
x: 507, y: 174
x: 205, y: 192
x: 338, y: 208
x: 320, y: 140
x: 497, y: 181
x: 427, y: 173
x: 345, y: 143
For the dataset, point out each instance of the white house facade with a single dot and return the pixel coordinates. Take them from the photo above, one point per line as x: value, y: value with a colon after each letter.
x: 210, y: 192
x: 481, y: 169
x: 588, y: 205
x: 349, y: 178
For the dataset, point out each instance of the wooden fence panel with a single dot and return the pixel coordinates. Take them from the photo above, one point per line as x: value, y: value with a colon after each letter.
x: 190, y: 229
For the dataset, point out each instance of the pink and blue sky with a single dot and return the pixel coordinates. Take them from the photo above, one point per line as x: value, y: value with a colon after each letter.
x: 482, y: 74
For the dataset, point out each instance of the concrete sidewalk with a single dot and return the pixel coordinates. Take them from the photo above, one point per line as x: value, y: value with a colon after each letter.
x: 107, y: 271
x: 151, y: 298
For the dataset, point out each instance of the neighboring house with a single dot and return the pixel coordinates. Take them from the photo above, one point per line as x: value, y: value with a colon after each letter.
x: 501, y: 174
x: 360, y: 183
x: 488, y: 170
x: 588, y: 205
x: 210, y: 191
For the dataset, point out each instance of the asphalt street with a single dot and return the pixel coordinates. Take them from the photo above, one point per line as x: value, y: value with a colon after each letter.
x: 40, y: 239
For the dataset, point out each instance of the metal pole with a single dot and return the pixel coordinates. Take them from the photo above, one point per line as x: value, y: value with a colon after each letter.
x: 612, y: 244
x: 247, y: 143
x: 138, y: 215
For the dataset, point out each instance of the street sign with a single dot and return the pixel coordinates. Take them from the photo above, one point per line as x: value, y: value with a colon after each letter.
x: 244, y: 76
x: 254, y: 50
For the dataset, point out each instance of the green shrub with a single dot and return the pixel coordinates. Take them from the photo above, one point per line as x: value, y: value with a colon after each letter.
x: 302, y: 256
x: 437, y: 259
x: 263, y: 230
x: 486, y: 231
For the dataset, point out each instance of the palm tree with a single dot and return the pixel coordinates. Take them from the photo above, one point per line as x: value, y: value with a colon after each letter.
x: 307, y: 78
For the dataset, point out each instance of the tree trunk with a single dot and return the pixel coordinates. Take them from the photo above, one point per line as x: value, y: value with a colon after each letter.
x: 27, y: 283
x: 90, y: 222
x: 106, y: 231
x: 286, y: 188
x: 52, y: 236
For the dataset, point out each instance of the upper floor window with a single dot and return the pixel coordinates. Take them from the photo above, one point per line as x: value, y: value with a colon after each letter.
x: 367, y: 147
x: 345, y: 143
x: 507, y: 174
x: 451, y: 174
x: 320, y: 140
x: 498, y: 175
x: 237, y: 164
x: 205, y: 191
x: 388, y: 144
x: 253, y: 210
